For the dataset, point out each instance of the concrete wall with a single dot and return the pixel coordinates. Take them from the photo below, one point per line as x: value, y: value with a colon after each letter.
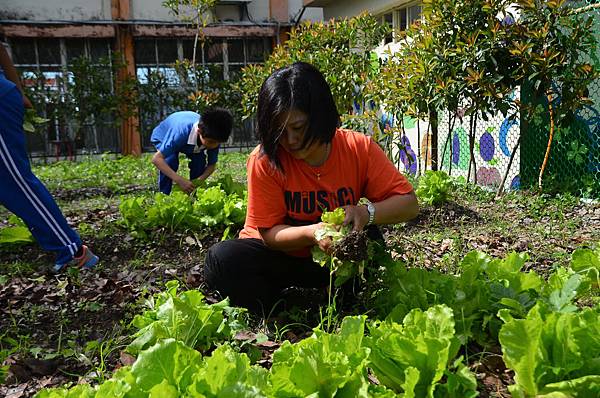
x: 350, y: 8
x: 310, y: 14
x: 259, y: 10
x: 152, y: 10
x: 47, y: 10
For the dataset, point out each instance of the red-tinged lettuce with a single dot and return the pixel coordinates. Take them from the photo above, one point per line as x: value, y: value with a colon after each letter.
x: 414, y: 358
x: 553, y: 354
x: 187, y: 318
x: 227, y: 373
x: 323, y: 365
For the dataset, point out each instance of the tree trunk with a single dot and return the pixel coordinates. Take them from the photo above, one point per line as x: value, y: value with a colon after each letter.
x: 512, y: 156
x: 433, y: 119
x: 550, y: 136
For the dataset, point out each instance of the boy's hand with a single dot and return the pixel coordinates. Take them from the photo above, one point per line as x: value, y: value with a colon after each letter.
x: 185, y: 185
x: 26, y: 102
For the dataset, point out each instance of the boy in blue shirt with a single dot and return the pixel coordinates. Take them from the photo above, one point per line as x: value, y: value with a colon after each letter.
x: 196, y: 136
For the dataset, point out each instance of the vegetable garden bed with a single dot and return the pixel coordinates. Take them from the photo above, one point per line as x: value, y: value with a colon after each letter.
x: 80, y: 327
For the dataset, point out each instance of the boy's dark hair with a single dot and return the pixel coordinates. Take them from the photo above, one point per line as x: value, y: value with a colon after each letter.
x: 216, y: 123
x: 299, y: 86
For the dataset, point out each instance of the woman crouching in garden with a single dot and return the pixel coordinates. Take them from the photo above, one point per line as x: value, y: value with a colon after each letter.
x: 303, y: 166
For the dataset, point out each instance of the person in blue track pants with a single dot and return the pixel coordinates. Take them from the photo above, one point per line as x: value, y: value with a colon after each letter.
x: 20, y: 190
x: 198, y: 137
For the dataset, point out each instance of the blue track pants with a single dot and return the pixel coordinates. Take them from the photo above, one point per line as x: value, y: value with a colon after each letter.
x: 20, y: 190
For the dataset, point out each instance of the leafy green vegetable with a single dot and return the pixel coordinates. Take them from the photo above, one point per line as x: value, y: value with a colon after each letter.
x: 31, y: 119
x: 17, y: 234
x: 332, y: 228
x: 335, y: 217
x: 553, y: 352
x: 227, y: 373
x: 587, y: 263
x: 187, y: 318
x: 324, y: 365
x: 434, y: 187
x: 80, y: 391
x: 413, y: 357
x: 210, y: 207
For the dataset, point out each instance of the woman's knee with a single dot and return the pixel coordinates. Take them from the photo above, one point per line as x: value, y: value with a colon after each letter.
x: 213, y: 265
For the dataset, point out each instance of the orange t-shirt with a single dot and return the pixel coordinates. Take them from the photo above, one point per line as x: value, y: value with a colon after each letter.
x: 356, y: 167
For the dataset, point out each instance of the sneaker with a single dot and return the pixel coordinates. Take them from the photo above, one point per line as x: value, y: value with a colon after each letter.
x: 87, y: 260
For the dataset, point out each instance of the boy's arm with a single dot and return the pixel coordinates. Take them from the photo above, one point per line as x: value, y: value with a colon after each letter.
x: 11, y: 73
x: 159, y: 161
x: 208, y: 171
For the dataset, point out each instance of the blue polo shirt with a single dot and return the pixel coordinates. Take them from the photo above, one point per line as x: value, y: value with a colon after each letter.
x: 171, y: 136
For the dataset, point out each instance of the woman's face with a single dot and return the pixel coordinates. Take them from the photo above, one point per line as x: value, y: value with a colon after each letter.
x: 295, y: 124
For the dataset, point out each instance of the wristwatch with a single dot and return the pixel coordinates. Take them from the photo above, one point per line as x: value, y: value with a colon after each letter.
x: 371, y: 210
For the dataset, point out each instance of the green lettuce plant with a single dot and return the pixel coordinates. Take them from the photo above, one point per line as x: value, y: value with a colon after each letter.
x: 323, y: 365
x: 16, y: 234
x: 434, y: 188
x: 208, y: 207
x: 553, y: 354
x: 415, y: 357
x: 185, y: 317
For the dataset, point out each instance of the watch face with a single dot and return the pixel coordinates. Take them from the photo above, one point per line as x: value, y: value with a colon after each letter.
x: 371, y: 210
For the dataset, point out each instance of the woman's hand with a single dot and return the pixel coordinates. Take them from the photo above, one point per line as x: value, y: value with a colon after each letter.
x: 358, y: 216
x: 325, y: 244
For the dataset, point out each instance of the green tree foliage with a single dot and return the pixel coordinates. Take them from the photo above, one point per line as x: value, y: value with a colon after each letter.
x: 473, y: 54
x: 86, y: 94
x: 339, y: 49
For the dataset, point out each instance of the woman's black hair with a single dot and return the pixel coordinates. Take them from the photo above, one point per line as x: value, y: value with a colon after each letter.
x: 302, y: 87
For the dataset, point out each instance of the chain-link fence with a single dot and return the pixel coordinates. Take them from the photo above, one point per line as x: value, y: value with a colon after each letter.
x: 574, y: 160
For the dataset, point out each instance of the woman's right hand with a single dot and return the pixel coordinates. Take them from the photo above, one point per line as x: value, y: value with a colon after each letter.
x: 325, y: 244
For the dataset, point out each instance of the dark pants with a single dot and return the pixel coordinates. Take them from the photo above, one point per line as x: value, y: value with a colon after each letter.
x: 254, y: 276
x: 197, y: 166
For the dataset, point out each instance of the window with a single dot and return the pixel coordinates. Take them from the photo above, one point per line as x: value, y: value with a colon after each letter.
x: 414, y: 14
x: 24, y: 51
x: 213, y: 51
x: 48, y: 51
x: 167, y: 51
x: 145, y: 52
x: 257, y: 50
x: 75, y: 48
x: 400, y: 19
x: 44, y: 64
x: 98, y: 48
x: 388, y: 19
x: 235, y: 50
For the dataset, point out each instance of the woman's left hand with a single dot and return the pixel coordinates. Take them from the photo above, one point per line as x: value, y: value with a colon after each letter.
x: 358, y: 216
